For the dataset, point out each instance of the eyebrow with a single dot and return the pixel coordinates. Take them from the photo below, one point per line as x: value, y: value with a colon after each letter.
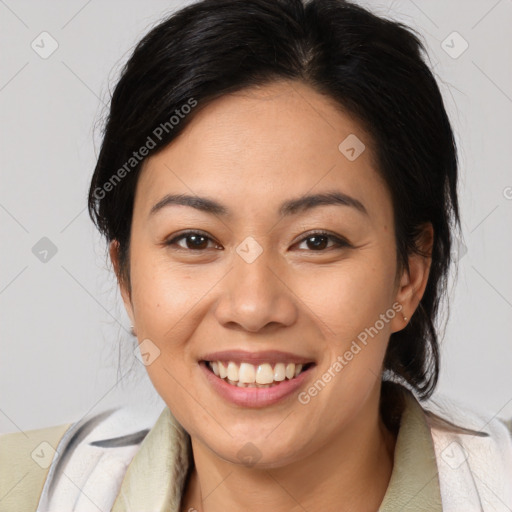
x: 289, y: 207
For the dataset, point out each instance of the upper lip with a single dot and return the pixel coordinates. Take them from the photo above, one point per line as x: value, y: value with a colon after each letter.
x: 265, y: 356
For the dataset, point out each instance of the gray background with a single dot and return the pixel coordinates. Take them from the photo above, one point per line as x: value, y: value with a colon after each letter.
x: 62, y: 320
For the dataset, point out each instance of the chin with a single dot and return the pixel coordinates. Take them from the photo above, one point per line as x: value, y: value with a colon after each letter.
x: 258, y: 453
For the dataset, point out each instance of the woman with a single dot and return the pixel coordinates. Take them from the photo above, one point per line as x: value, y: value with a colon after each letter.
x: 278, y: 187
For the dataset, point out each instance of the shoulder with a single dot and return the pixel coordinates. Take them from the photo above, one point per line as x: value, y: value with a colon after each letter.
x: 25, y: 459
x: 445, y: 414
x: 473, y: 451
x: 48, y: 467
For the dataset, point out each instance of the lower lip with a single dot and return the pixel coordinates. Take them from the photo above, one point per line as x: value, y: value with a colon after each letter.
x: 255, y: 397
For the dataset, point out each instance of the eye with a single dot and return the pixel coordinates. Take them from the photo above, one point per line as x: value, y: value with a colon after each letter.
x: 194, y: 241
x: 198, y: 241
x: 319, y: 240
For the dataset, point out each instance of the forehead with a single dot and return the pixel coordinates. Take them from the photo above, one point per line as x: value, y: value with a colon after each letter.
x: 263, y: 145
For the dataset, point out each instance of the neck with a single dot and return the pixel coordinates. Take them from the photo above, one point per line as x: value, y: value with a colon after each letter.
x: 350, y: 472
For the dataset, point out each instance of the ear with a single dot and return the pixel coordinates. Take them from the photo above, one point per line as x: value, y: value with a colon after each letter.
x: 413, y: 283
x: 123, y: 288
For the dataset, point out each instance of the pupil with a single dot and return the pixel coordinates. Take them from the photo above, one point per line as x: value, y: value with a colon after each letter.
x: 319, y: 239
x: 194, y: 239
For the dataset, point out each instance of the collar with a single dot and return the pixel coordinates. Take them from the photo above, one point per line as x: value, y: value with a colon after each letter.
x: 414, y: 483
x: 156, y: 476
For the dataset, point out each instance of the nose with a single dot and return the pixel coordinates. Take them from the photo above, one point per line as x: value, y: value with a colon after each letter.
x: 255, y: 296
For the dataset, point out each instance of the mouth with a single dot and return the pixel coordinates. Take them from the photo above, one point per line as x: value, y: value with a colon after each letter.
x: 255, y: 379
x: 263, y: 375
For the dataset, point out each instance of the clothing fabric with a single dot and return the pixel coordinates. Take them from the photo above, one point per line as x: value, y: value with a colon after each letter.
x: 446, y: 458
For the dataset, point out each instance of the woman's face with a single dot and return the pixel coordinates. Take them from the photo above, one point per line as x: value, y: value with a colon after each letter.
x: 253, y: 277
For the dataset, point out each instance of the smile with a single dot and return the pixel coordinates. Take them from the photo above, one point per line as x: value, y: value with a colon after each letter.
x: 248, y: 375
x: 287, y: 380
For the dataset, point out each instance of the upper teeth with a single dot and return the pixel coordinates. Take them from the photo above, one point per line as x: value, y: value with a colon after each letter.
x: 249, y: 374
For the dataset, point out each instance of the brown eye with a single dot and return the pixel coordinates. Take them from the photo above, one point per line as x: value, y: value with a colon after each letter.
x: 318, y: 242
x: 194, y: 241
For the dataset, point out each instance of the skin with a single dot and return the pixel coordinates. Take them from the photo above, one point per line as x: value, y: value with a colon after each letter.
x: 251, y: 151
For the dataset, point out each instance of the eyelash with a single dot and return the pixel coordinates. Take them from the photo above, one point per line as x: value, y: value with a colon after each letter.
x: 340, y: 243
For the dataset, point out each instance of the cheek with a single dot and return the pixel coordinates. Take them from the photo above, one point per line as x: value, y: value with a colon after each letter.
x: 166, y: 301
x: 349, y: 296
x: 354, y: 303
x: 165, y: 294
